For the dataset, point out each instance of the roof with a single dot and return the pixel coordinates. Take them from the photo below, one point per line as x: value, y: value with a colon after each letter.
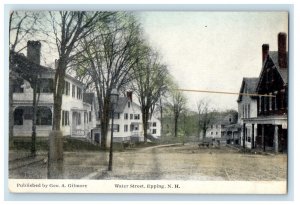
x: 282, y: 71
x: 122, y: 102
x: 88, y: 98
x: 223, y: 119
x: 251, y: 84
x: 25, y: 67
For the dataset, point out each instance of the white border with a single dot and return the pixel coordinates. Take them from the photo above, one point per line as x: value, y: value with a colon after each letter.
x: 294, y: 119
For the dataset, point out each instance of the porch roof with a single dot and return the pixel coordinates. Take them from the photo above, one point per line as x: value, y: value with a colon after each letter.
x: 274, y: 120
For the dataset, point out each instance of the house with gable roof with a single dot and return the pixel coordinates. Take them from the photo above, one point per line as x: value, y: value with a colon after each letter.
x: 247, y: 109
x: 269, y: 130
x: 78, y: 115
x: 128, y: 124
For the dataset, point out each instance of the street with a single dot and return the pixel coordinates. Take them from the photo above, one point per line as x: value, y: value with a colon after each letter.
x: 177, y: 162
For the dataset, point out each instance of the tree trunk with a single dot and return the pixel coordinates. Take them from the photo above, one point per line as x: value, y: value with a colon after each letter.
x: 145, y: 117
x: 105, y: 121
x: 57, y: 94
x: 199, y: 127
x: 176, y: 124
x: 161, y: 118
x: 55, y: 153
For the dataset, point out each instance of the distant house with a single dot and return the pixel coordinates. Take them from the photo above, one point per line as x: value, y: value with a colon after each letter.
x: 128, y: 124
x: 247, y: 109
x: 223, y: 127
x: 269, y: 128
x: 78, y: 115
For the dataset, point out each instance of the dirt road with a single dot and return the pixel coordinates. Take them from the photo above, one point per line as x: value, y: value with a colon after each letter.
x: 188, y: 162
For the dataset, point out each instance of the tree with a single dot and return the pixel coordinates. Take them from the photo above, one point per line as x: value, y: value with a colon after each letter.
x: 69, y: 28
x: 177, y: 105
x: 109, y: 56
x: 202, y: 109
x: 21, y: 27
x: 149, y: 85
x: 206, y: 119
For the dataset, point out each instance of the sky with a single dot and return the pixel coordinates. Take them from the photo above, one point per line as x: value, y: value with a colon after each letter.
x: 212, y: 50
x: 209, y: 51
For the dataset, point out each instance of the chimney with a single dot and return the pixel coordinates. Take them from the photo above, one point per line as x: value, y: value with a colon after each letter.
x: 34, y: 51
x: 129, y: 95
x: 265, y: 52
x: 282, y: 58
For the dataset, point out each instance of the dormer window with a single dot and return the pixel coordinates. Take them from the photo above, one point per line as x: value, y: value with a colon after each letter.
x: 128, y: 104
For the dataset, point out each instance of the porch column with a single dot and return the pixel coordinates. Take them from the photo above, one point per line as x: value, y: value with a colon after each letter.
x: 252, y: 137
x: 244, y: 137
x: 276, y: 138
x: 263, y: 136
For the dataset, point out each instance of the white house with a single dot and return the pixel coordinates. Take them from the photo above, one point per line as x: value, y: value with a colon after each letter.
x: 219, y: 124
x: 247, y: 109
x: 128, y: 124
x: 78, y: 114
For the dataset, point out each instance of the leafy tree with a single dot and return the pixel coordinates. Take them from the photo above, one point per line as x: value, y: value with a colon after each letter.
x: 150, y: 84
x: 109, y: 56
x: 177, y: 104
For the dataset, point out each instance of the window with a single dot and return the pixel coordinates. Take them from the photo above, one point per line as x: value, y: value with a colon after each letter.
x: 46, y: 85
x: 90, y: 116
x: 73, y: 91
x: 125, y: 128
x: 65, y: 118
x: 154, y: 131
x: 259, y: 104
x: 44, y: 116
x: 265, y: 103
x: 128, y: 104
x: 211, y: 133
x: 131, y: 116
x: 79, y: 93
x: 216, y: 133
x: 270, y: 101
x: 248, y: 111
x: 67, y: 88
x: 116, y: 127
x: 131, y: 127
x: 211, y: 126
x: 27, y: 113
x: 18, y: 85
x: 154, y: 124
x: 136, y: 116
x: 248, y: 139
x: 18, y: 116
x: 126, y: 116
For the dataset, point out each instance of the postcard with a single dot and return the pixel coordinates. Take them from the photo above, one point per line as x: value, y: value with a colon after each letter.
x: 177, y: 102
